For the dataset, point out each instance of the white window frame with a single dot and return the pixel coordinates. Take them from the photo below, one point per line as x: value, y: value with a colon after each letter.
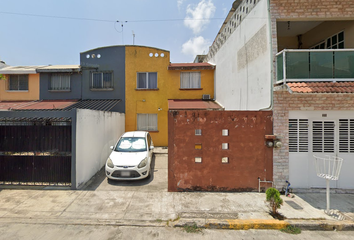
x: 61, y: 78
x: 327, y: 43
x: 147, y: 122
x: 101, y: 79
x: 17, y: 76
x: 186, y: 80
x: 147, y: 80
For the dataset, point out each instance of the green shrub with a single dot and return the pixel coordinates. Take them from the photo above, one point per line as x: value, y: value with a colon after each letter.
x: 274, y: 199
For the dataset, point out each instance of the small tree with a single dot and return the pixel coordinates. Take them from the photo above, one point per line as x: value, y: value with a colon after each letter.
x: 2, y: 77
x: 274, y: 199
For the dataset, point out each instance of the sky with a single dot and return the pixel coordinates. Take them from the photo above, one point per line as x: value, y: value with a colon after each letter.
x: 43, y: 32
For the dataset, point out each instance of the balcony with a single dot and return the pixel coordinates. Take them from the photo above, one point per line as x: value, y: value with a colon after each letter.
x: 315, y: 65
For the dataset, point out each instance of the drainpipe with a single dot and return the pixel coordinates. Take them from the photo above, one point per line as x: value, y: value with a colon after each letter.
x: 271, y: 60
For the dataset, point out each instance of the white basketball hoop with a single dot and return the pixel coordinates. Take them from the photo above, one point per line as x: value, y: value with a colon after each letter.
x: 328, y: 168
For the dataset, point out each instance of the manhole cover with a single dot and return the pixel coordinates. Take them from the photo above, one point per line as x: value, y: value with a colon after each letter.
x: 294, y: 205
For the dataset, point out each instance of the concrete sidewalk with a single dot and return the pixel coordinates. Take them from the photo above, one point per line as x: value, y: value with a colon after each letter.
x: 147, y: 203
x: 211, y: 210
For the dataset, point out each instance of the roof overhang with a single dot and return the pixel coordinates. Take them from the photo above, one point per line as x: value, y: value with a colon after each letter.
x: 194, y: 104
x: 19, y: 70
x: 191, y: 66
x: 60, y: 68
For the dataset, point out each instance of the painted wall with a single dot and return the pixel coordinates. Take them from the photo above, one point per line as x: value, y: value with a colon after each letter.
x: 168, y: 82
x: 248, y: 156
x: 111, y: 59
x: 31, y: 94
x: 96, y: 131
x: 74, y: 93
x: 242, y: 75
x: 147, y: 101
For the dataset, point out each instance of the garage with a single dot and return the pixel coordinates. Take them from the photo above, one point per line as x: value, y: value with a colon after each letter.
x: 320, y: 133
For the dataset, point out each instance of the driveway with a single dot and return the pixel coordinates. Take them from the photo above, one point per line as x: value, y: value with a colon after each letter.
x: 156, y: 182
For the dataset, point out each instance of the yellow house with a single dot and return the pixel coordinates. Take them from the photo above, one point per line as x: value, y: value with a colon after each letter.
x: 151, y: 80
x: 20, y: 83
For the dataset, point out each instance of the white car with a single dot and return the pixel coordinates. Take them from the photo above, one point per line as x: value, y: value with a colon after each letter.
x: 131, y: 157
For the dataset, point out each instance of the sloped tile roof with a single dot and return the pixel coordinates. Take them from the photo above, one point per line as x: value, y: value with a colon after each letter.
x: 322, y: 87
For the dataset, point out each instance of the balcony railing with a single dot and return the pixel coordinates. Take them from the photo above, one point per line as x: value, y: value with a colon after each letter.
x: 315, y: 65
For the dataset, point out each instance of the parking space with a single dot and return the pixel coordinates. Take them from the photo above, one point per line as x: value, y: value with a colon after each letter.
x: 157, y: 182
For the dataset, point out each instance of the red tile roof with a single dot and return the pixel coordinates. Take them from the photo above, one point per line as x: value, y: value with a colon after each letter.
x: 191, y: 66
x: 40, y: 105
x: 193, y: 104
x: 322, y: 87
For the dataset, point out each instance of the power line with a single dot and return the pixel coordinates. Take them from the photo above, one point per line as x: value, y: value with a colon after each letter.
x: 104, y: 20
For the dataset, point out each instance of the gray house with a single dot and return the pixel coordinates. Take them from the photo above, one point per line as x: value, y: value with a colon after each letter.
x: 103, y: 74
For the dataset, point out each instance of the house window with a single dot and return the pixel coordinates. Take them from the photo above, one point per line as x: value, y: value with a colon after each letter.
x: 147, y: 80
x: 60, y: 82
x: 346, y: 135
x: 190, y: 80
x: 102, y: 80
x: 334, y: 42
x: 147, y: 122
x: 18, y: 83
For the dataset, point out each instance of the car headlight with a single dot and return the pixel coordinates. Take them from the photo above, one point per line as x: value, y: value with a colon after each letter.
x: 142, y: 163
x: 110, y: 163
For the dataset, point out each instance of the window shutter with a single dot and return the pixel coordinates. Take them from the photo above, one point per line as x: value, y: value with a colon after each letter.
x: 346, y: 135
x: 323, y: 136
x: 298, y: 135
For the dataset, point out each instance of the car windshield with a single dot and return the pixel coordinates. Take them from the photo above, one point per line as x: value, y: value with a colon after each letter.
x: 131, y: 144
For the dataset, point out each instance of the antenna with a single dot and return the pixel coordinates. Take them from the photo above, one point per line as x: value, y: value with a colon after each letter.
x: 133, y: 37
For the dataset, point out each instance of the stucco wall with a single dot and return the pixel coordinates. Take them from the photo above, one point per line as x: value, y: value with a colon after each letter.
x: 248, y: 156
x: 242, y: 75
x: 168, y: 87
x: 96, y: 131
x: 31, y: 94
x: 112, y: 58
x: 74, y: 93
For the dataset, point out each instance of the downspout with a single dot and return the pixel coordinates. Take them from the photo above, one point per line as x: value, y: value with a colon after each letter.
x: 271, y: 59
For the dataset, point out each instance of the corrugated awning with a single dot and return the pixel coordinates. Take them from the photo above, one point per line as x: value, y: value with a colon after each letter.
x: 19, y: 69
x: 60, y: 68
x: 95, y: 104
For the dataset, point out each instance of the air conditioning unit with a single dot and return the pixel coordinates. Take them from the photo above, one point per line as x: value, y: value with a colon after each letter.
x: 206, y: 97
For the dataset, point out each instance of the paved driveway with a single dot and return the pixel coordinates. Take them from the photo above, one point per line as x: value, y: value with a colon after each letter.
x: 156, y: 182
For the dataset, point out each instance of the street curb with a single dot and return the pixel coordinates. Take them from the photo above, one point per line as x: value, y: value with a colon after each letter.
x: 270, y: 224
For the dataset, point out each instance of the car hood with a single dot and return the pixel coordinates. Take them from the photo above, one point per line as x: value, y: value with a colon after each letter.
x: 127, y: 158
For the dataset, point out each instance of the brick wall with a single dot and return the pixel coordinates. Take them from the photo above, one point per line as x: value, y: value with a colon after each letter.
x: 285, y: 102
x: 248, y: 155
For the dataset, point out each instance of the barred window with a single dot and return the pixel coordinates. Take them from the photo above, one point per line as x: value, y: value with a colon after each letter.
x: 18, y: 82
x: 102, y: 80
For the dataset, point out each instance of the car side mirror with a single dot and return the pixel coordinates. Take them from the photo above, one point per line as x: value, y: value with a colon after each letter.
x: 111, y: 147
x: 152, y: 147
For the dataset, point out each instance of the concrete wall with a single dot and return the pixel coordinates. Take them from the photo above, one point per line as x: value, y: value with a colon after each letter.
x: 285, y: 102
x: 96, y: 131
x: 31, y: 94
x: 74, y: 93
x: 248, y: 156
x: 111, y: 59
x: 242, y: 75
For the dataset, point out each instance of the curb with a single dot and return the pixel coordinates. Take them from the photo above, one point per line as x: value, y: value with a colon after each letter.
x: 270, y: 224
